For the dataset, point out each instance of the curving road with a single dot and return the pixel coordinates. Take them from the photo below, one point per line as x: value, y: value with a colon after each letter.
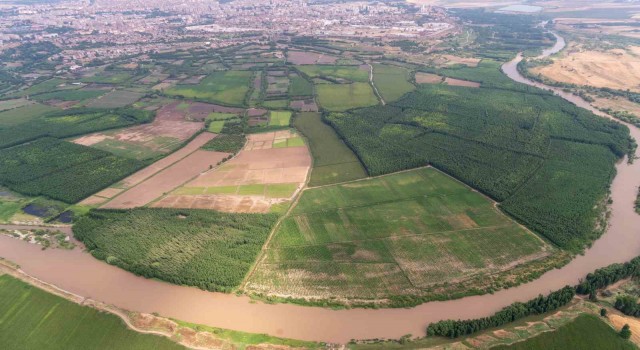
x: 80, y: 273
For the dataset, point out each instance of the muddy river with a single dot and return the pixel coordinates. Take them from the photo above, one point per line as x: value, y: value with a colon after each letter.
x: 80, y: 273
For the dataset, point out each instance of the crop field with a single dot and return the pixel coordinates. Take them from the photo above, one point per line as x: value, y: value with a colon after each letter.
x: 15, y: 116
x: 15, y: 103
x: 61, y: 170
x: 279, y: 118
x: 300, y: 86
x: 108, y: 78
x: 349, y: 73
x: 166, y: 180
x: 393, y: 235
x: 270, y: 169
x: 495, y: 140
x: 392, y: 82
x: 201, y: 248
x: 333, y: 161
x: 34, y: 319
x: 226, y: 87
x: 226, y: 143
x: 164, y: 134
x: 302, y: 57
x: 115, y: 99
x: 103, y: 196
x: 341, y: 97
x: 70, y: 123
x: 70, y: 95
x: 585, y: 332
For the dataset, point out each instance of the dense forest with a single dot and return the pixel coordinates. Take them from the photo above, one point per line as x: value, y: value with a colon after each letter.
x: 549, y: 161
x: 202, y: 248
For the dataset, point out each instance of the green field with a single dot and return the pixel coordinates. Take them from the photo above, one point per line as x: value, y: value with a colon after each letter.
x: 341, y: 97
x: 333, y: 161
x: 399, y: 234
x: 275, y: 104
x: 585, y: 332
x: 392, y: 82
x: 70, y: 95
x: 279, y: 118
x: 115, y: 99
x: 108, y: 78
x: 33, y: 319
x: 548, y: 162
x: 15, y: 103
x: 201, y: 248
x: 226, y: 87
x: 13, y: 117
x: 300, y: 87
x: 351, y: 73
x: 216, y: 126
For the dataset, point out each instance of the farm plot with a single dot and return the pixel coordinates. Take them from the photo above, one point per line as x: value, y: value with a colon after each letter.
x: 35, y: 319
x: 226, y: 87
x: 399, y: 234
x: 342, y: 97
x: 271, y: 168
x: 333, y: 160
x: 14, y: 116
x: 338, y: 73
x: 307, y: 57
x: 392, y: 82
x: 166, y: 180
x: 115, y: 99
x: 167, y: 131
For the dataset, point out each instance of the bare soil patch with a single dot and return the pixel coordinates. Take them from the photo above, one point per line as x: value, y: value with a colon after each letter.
x: 428, y: 78
x: 305, y: 57
x: 304, y: 105
x: 458, y: 82
x: 200, y: 110
x: 616, y: 69
x: 167, y: 179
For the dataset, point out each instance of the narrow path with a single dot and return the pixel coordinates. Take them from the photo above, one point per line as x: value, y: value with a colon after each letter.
x: 373, y: 85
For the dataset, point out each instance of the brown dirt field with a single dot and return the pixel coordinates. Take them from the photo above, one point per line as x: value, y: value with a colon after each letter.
x: 169, y: 122
x: 619, y: 321
x: 203, y: 109
x: 428, y: 78
x: 616, y: 69
x: 145, y: 173
x: 302, y: 57
x: 108, y: 192
x: 458, y: 82
x: 257, y: 163
x: 256, y: 112
x: 162, y: 86
x: 225, y: 203
x: 617, y: 104
x: 93, y: 200
x: 467, y: 61
x: 304, y: 105
x: 167, y: 180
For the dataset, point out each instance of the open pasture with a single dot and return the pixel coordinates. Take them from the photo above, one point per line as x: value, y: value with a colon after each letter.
x: 348, y: 73
x: 167, y: 131
x: 392, y: 82
x: 271, y: 168
x: 342, y: 97
x: 226, y: 87
x: 15, y: 103
x: 22, y: 113
x: 427, y: 78
x: 279, y: 118
x: 34, y: 319
x: 115, y: 99
x: 333, y: 161
x: 399, y: 234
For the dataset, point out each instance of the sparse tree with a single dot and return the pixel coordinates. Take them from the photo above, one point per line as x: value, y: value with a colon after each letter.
x: 603, y: 312
x: 625, y: 332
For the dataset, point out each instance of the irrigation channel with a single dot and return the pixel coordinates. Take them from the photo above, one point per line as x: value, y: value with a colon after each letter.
x: 79, y: 273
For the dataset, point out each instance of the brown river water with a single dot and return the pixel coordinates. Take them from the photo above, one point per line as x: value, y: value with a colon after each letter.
x: 78, y: 272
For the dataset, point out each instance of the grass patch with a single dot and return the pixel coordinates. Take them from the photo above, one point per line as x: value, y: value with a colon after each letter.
x: 400, y: 234
x: 341, y: 97
x: 115, y: 99
x: 203, y: 248
x: 221, y: 116
x: 392, y: 81
x: 226, y: 87
x: 275, y: 103
x: 35, y: 319
x: 279, y: 118
x: 13, y: 117
x: 333, y: 161
x: 351, y: 73
x: 281, y: 190
x: 216, y: 126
